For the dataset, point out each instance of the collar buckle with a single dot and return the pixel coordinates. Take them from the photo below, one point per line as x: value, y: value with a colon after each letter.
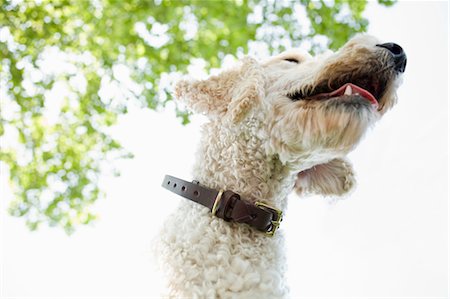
x: 277, y: 217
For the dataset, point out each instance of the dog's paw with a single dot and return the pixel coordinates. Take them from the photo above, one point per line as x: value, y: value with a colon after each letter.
x: 335, y: 178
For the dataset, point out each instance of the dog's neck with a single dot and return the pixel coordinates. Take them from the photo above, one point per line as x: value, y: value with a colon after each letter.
x: 224, y: 163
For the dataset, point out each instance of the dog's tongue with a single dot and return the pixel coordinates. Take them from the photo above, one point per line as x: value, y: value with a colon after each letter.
x: 352, y: 89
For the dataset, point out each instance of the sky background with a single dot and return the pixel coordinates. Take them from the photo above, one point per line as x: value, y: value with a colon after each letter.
x: 389, y: 239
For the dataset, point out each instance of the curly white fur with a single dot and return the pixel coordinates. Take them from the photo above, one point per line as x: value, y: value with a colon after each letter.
x: 261, y: 144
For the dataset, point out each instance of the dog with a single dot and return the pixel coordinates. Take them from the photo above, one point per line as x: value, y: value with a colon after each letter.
x: 275, y: 126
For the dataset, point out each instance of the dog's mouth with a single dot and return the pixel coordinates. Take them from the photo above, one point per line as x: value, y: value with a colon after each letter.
x: 370, y: 92
x: 347, y: 89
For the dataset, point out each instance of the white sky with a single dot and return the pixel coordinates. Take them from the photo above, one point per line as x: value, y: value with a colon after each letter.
x: 388, y: 240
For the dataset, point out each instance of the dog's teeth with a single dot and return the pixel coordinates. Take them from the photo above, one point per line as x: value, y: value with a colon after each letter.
x: 348, y: 90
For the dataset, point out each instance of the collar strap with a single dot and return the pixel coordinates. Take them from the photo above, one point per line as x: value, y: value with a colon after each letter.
x: 227, y: 205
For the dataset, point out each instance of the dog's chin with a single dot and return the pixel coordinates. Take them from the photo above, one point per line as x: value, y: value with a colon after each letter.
x: 355, y: 105
x: 346, y: 119
x: 327, y: 127
x: 350, y: 103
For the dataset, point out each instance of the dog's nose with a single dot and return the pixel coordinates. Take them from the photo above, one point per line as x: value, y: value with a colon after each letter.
x: 399, y: 55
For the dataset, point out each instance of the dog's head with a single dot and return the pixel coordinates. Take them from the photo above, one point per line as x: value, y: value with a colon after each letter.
x: 311, y: 110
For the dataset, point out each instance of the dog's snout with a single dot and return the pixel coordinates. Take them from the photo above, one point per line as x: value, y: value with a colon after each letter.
x: 398, y: 54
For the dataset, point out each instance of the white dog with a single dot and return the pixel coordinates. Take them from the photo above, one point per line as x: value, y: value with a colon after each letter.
x: 274, y: 126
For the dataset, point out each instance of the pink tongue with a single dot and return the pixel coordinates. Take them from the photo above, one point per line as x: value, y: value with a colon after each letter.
x: 355, y: 89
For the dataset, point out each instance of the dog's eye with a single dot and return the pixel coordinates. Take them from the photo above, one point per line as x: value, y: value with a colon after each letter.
x: 291, y: 60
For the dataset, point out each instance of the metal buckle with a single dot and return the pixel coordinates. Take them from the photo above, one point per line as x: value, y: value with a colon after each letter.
x: 216, y: 203
x: 275, y: 222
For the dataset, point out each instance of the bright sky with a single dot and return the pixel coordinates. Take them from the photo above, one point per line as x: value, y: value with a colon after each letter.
x: 389, y: 239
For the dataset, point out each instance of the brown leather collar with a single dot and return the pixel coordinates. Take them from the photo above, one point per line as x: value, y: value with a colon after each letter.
x: 227, y: 205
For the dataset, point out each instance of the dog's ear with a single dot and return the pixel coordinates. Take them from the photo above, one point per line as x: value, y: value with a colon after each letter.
x: 233, y: 92
x: 334, y: 178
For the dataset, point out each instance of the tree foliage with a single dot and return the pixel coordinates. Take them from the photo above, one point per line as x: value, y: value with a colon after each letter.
x: 69, y: 68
